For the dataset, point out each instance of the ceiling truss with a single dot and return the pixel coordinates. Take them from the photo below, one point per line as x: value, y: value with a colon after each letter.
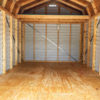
x: 16, y: 6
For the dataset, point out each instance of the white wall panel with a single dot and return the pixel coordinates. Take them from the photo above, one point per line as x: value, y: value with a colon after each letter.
x: 40, y: 42
x: 13, y: 41
x: 64, y: 42
x: 1, y: 52
x: 75, y: 42
x: 91, y: 46
x: 29, y: 42
x: 52, y: 10
x: 98, y: 46
x: 51, y: 42
x: 52, y: 29
x: 40, y: 11
x: 7, y: 43
x: 64, y: 11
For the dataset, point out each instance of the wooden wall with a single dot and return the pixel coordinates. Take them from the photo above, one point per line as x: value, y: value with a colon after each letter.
x: 9, y: 48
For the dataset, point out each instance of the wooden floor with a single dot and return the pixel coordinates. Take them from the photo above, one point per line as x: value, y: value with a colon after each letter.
x: 50, y: 81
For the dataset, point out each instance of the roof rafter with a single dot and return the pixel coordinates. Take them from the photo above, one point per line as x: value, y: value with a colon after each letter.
x: 4, y: 3
x: 35, y: 4
x: 59, y: 4
x: 19, y: 4
x: 86, y: 4
x: 71, y: 5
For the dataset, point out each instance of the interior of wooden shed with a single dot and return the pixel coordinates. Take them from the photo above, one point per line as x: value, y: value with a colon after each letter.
x: 49, y: 50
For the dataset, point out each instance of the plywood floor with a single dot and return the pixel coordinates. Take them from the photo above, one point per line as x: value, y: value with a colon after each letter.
x: 50, y: 81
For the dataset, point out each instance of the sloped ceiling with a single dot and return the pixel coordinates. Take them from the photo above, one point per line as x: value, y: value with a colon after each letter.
x: 92, y: 7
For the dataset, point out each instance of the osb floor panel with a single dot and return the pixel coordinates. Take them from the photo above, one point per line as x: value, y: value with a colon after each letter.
x: 50, y: 81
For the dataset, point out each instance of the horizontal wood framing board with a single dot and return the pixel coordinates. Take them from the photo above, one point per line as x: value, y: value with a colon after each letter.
x: 52, y: 18
x: 64, y: 17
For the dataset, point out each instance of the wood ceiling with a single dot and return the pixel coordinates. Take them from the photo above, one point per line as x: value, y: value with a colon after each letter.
x: 20, y: 6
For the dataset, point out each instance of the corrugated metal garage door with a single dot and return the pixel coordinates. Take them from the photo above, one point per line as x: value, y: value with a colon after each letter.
x: 75, y: 42
x: 48, y: 48
x: 1, y: 52
x: 29, y: 42
x: 7, y: 43
x: 52, y: 42
x: 64, y: 42
x: 40, y: 42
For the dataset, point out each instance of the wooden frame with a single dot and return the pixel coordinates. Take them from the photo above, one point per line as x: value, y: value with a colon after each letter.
x: 81, y: 42
x: 20, y: 52
x: 16, y: 42
x: 4, y: 42
x: 89, y: 43
x: 34, y: 5
x: 53, y: 18
x: 11, y: 42
x: 71, y: 5
x: 4, y: 3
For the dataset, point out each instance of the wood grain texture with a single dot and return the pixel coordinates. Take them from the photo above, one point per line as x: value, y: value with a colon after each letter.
x: 50, y: 81
x: 4, y: 42
x: 11, y: 42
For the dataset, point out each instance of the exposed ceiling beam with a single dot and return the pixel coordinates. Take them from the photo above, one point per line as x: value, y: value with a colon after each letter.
x: 84, y: 3
x: 71, y: 5
x: 35, y: 4
x: 59, y: 4
x: 4, y: 3
x: 53, y: 21
x: 94, y: 6
x: 53, y: 18
x: 69, y: 8
x: 59, y: 17
x: 20, y: 4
